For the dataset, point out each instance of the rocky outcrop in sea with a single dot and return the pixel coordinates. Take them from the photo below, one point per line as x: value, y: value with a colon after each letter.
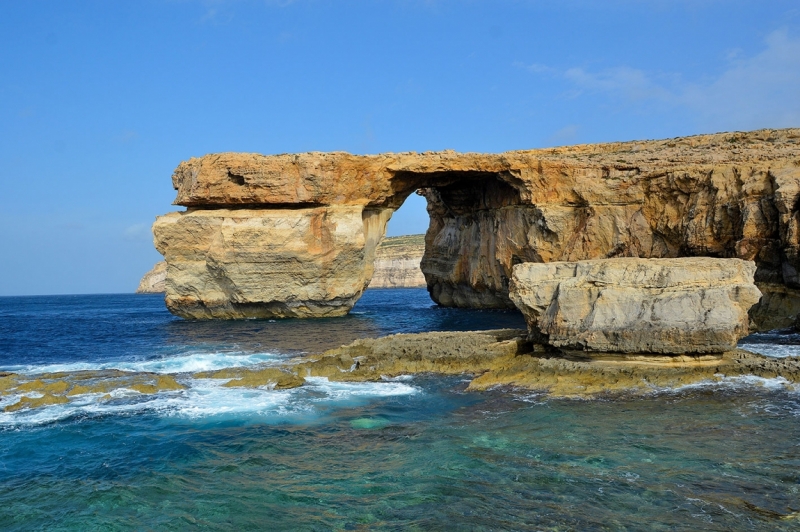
x: 396, y: 263
x: 295, y: 235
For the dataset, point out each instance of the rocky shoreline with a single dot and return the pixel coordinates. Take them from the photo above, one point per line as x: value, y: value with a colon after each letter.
x: 499, y: 358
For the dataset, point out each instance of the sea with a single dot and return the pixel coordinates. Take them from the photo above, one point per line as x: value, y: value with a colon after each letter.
x: 409, y: 453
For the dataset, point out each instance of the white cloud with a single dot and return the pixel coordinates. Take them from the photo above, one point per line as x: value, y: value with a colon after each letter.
x: 753, y: 92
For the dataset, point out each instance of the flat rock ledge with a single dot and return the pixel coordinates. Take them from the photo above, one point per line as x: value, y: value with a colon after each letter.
x: 497, y: 358
x: 690, y: 305
x: 507, y: 358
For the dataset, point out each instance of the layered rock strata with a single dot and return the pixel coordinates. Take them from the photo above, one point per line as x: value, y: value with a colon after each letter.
x: 397, y: 261
x: 732, y: 195
x: 260, y: 263
x: 154, y: 281
x: 396, y: 265
x: 630, y: 305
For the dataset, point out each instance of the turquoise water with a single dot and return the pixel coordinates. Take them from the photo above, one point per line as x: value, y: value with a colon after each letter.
x: 410, y: 454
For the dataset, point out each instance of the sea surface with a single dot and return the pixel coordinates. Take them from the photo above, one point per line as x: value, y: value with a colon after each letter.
x: 416, y: 453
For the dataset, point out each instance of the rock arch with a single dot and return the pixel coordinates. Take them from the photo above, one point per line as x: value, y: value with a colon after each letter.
x: 295, y: 235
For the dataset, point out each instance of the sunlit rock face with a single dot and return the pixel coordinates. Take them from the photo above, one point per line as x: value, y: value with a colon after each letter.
x: 262, y: 263
x: 730, y: 195
x: 631, y: 305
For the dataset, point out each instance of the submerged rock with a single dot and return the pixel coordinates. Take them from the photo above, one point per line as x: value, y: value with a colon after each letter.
x: 61, y: 387
x: 276, y: 378
x: 629, y: 305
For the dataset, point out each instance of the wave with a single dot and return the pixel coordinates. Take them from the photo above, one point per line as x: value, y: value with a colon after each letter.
x: 772, y: 350
x: 205, y: 398
x: 188, y: 363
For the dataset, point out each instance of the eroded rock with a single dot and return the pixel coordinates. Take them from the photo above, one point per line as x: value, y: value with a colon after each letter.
x: 154, y: 281
x: 732, y: 195
x: 256, y: 263
x: 629, y: 305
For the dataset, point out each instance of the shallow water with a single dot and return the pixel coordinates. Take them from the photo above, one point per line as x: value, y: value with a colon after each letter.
x: 409, y: 454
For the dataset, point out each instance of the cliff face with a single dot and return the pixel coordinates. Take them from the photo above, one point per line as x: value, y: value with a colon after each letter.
x: 154, y: 281
x: 724, y: 195
x: 397, y: 261
x: 396, y: 266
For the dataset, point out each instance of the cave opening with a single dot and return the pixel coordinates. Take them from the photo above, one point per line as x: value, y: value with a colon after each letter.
x: 464, y: 259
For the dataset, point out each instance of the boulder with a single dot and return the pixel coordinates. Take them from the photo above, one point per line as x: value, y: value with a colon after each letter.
x: 631, y: 305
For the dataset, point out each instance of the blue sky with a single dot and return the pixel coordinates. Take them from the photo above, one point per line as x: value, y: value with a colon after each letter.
x: 99, y: 101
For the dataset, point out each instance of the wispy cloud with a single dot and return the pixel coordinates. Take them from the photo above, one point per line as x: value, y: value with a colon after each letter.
x: 758, y: 91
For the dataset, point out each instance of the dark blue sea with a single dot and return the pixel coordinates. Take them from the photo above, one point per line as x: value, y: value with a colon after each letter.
x: 410, y: 454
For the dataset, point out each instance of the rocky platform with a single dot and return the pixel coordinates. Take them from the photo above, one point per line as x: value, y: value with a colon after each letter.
x: 499, y: 358
x: 295, y: 235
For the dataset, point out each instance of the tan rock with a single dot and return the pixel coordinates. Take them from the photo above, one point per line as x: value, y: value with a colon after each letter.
x: 397, y: 262
x: 246, y: 263
x: 154, y: 281
x: 630, y: 305
x: 732, y: 195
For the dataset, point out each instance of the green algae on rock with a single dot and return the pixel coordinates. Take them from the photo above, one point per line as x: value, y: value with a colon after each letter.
x: 506, y: 358
x: 253, y: 378
x: 58, y: 388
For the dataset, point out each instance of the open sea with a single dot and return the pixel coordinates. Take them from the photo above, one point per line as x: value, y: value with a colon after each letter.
x: 408, y: 454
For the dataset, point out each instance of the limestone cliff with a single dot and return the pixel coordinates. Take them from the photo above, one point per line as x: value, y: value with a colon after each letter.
x: 731, y: 195
x: 153, y: 281
x: 396, y: 266
x: 397, y: 262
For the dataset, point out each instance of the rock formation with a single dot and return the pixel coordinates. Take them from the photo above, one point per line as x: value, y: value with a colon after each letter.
x: 397, y: 261
x: 294, y: 235
x: 154, y: 281
x: 630, y: 305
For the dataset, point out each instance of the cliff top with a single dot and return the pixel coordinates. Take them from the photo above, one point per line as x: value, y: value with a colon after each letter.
x: 315, y: 178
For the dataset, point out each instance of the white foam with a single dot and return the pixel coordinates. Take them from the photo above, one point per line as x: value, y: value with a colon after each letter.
x: 208, y: 398
x: 775, y: 383
x: 336, y: 390
x: 189, y: 363
x: 773, y: 350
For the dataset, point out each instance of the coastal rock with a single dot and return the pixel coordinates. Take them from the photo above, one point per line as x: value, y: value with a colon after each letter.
x: 507, y: 358
x: 630, y: 305
x: 730, y: 195
x: 248, y: 263
x: 397, y: 263
x: 154, y: 281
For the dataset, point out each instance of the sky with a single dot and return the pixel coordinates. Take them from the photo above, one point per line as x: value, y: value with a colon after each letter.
x: 100, y: 101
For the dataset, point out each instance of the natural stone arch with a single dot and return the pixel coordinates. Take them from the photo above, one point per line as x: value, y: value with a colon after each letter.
x: 295, y: 235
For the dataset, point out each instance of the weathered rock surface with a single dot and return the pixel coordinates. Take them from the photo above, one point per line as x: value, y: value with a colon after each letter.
x: 731, y: 195
x: 492, y: 358
x: 630, y: 305
x: 507, y: 358
x: 244, y: 263
x: 154, y: 281
x: 397, y: 261
x: 396, y: 265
